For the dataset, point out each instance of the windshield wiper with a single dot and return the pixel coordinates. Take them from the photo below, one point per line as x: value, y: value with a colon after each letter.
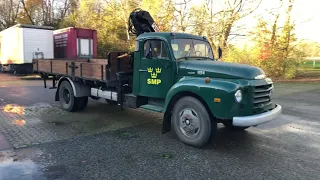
x: 207, y: 58
x: 184, y: 57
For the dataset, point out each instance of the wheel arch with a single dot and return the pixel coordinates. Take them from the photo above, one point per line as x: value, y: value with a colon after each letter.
x: 205, y: 93
x: 79, y: 89
x: 59, y: 83
x: 166, y: 127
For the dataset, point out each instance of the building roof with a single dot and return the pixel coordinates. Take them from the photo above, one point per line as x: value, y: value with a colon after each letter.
x: 33, y: 26
x: 69, y: 28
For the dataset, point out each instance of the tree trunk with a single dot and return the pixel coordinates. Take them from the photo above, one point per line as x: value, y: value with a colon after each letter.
x: 287, y: 32
x: 27, y: 12
x: 288, y: 25
x: 227, y: 32
x: 274, y: 29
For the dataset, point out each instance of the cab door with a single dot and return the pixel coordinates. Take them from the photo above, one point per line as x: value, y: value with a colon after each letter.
x: 156, y: 75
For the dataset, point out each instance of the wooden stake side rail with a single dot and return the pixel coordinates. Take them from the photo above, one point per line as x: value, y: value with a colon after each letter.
x: 72, y: 68
x: 91, y: 69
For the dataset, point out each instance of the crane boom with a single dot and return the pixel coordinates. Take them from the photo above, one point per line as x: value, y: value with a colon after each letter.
x: 140, y: 22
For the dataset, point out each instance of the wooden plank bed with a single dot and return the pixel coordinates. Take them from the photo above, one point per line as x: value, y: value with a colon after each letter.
x: 88, y: 69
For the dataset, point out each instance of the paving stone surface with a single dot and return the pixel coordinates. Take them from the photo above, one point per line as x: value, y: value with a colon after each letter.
x: 24, y: 126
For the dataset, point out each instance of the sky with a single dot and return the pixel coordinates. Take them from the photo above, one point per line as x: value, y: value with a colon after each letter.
x: 307, y: 10
x: 305, y: 14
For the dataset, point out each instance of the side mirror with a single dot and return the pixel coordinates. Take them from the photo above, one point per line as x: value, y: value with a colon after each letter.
x: 219, y: 52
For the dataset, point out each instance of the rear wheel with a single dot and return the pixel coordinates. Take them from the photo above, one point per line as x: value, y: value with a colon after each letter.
x: 66, y: 97
x: 191, y: 122
x: 228, y: 124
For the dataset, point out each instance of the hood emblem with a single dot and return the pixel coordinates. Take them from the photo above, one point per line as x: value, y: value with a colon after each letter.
x: 201, y: 72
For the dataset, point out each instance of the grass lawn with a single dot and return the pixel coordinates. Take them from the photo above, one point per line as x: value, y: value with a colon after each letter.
x: 311, y: 64
x: 309, y: 70
x: 286, y: 88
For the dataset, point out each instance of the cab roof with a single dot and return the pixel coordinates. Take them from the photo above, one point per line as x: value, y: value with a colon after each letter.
x: 169, y: 35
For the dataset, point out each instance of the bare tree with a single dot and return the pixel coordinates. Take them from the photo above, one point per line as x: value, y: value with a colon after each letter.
x: 181, y: 8
x: 9, y: 10
x: 46, y: 12
x: 124, y: 7
x: 29, y: 11
x: 221, y: 22
x: 236, y: 10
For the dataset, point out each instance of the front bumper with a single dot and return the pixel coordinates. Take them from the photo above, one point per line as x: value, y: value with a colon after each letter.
x: 258, y: 118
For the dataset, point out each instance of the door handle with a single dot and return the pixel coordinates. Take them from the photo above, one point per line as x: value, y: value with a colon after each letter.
x: 143, y: 70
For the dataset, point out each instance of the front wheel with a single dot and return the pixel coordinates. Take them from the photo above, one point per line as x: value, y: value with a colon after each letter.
x: 191, y: 122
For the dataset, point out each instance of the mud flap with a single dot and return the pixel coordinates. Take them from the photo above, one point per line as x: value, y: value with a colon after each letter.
x: 56, y: 98
x: 166, y: 123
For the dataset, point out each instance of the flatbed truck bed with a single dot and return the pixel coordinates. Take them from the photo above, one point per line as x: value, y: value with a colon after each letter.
x: 100, y: 70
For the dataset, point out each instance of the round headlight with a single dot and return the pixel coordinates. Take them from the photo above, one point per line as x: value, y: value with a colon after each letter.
x: 238, y: 96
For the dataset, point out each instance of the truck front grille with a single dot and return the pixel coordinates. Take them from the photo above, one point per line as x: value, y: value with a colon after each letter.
x: 261, y: 95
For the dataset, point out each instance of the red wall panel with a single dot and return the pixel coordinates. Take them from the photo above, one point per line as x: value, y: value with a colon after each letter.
x: 65, y: 41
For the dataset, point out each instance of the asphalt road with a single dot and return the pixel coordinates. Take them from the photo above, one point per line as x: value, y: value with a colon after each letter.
x: 287, y: 148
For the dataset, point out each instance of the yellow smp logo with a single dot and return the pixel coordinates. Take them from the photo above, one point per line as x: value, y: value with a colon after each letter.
x: 154, y: 75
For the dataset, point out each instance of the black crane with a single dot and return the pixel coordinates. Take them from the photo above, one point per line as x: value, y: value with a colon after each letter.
x: 140, y: 21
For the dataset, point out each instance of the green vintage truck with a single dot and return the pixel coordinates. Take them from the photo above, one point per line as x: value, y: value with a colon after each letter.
x: 173, y: 73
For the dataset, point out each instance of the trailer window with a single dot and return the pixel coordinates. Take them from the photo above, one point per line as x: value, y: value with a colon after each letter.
x: 155, y: 49
x: 84, y: 48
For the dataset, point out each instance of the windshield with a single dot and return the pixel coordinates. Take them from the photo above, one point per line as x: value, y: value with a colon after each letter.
x: 184, y: 49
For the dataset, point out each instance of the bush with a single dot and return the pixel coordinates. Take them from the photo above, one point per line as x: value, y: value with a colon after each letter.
x: 273, y: 65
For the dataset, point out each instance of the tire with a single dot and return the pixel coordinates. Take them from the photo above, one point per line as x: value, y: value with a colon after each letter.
x: 228, y: 125
x: 82, y: 102
x: 191, y: 122
x: 66, y: 97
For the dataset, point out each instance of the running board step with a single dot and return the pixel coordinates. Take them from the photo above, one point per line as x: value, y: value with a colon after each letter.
x: 152, y: 108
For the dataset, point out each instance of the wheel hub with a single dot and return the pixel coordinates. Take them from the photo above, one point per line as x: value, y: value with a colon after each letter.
x: 66, y: 96
x: 189, y: 122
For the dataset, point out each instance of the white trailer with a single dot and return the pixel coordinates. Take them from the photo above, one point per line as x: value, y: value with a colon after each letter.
x: 20, y: 44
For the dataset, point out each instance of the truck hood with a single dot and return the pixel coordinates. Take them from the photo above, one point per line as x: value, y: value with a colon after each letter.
x: 216, y: 69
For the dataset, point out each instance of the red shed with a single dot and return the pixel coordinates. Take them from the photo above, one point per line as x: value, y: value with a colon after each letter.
x: 75, y: 43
